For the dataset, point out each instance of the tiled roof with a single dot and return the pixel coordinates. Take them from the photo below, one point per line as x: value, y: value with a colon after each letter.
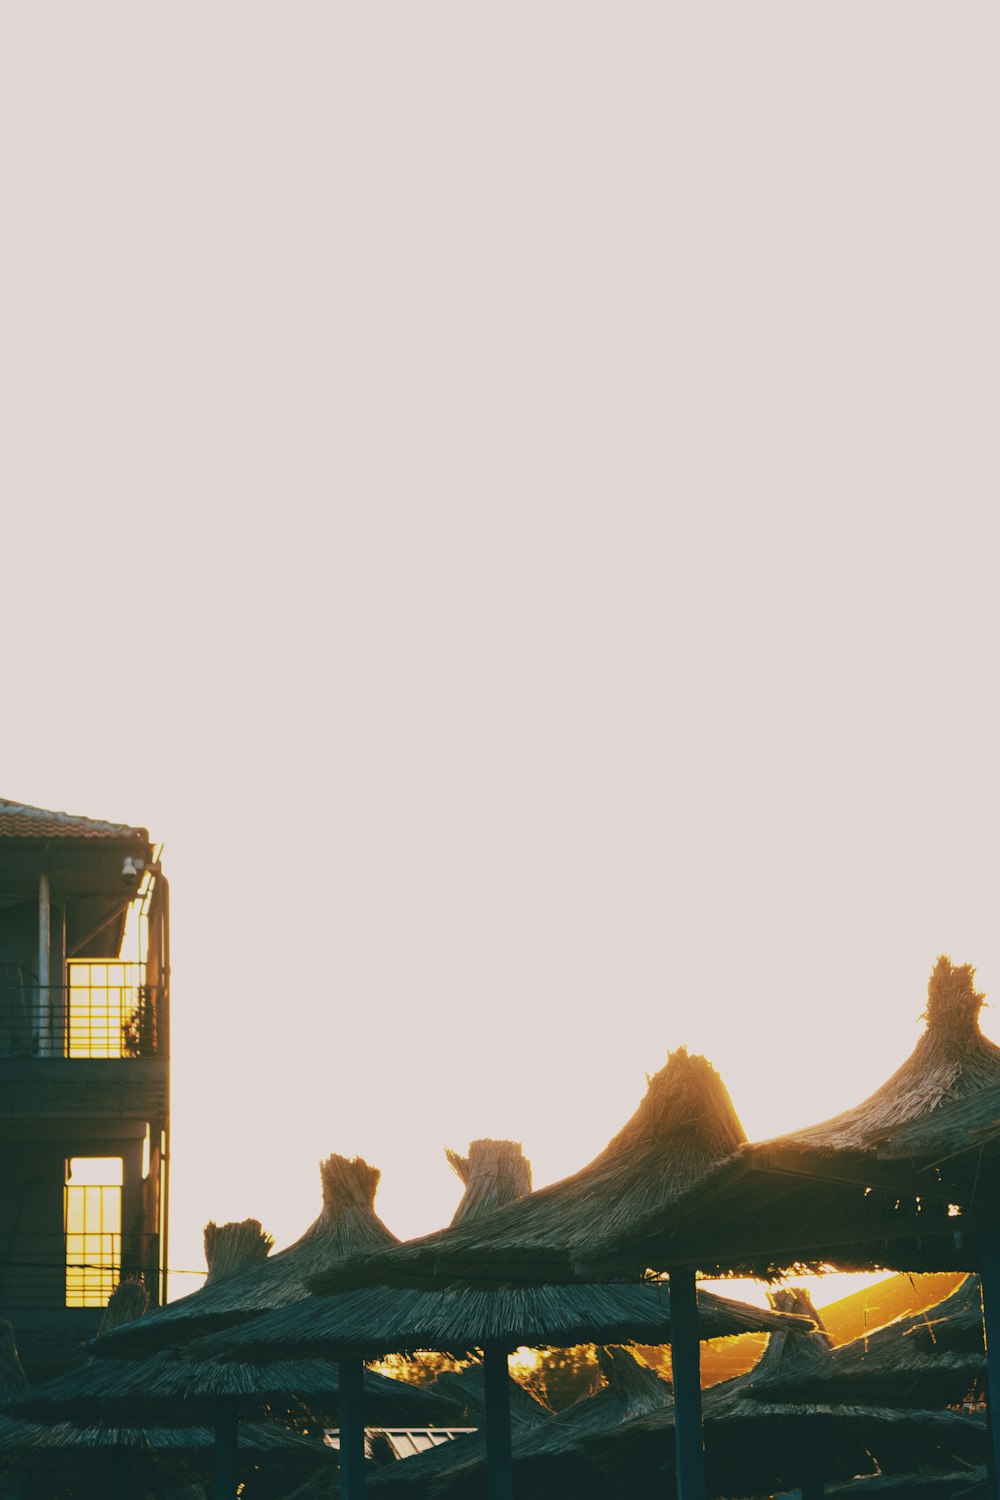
x: 18, y: 821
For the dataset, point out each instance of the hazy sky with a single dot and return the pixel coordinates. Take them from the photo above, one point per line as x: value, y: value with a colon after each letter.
x: 508, y: 495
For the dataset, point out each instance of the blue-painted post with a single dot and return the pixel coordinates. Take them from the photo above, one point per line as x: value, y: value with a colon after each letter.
x: 989, y: 1280
x: 685, y: 1356
x: 352, y: 1429
x: 499, y: 1476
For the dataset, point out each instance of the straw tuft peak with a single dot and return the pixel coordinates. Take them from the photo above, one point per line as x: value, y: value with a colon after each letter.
x: 953, y: 1002
x: 627, y: 1375
x: 235, y: 1246
x: 348, y: 1182
x: 495, y: 1173
x: 128, y: 1301
x: 686, y: 1097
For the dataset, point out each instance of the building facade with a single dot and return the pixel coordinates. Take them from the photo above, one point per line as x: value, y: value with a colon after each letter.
x: 84, y: 1074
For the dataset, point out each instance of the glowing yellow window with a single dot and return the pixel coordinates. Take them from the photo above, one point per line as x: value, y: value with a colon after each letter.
x: 93, y: 1217
x: 104, y: 1001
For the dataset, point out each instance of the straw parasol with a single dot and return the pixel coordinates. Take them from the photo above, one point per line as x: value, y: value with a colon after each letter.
x: 683, y: 1128
x: 547, y: 1455
x: 247, y: 1282
x: 377, y: 1320
x: 757, y: 1447
x: 897, y: 1182
x: 180, y: 1386
x: 467, y: 1387
x: 932, y: 1358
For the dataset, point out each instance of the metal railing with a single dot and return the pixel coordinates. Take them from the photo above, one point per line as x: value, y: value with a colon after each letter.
x: 103, y: 1010
x: 72, y: 1270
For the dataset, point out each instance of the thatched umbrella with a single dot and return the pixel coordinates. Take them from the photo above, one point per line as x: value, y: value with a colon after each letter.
x: 931, y: 1358
x: 683, y: 1129
x: 758, y: 1447
x: 546, y: 1451
x: 244, y: 1280
x: 467, y: 1387
x: 182, y: 1387
x: 909, y: 1167
x: 376, y: 1320
x: 114, y: 1460
x: 347, y: 1225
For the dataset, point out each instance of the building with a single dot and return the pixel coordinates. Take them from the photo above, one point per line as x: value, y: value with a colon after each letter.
x: 84, y: 1074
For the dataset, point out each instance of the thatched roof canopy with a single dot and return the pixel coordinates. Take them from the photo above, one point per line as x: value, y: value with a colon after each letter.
x: 184, y: 1387
x: 869, y: 1188
x: 629, y: 1389
x: 493, y: 1174
x: 467, y: 1387
x: 683, y: 1128
x: 377, y: 1321
x: 930, y: 1358
x: 952, y: 1063
x: 753, y: 1445
x: 244, y: 1280
x: 750, y: 1447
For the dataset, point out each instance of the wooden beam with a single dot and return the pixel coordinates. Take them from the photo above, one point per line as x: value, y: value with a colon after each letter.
x: 685, y: 1357
x: 227, y: 1436
x: 868, y: 1172
x: 352, y: 1429
x: 989, y: 1279
x: 499, y: 1474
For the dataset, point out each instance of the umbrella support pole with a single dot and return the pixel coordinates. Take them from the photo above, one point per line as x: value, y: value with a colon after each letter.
x: 685, y: 1354
x: 352, y: 1429
x: 500, y: 1481
x: 227, y: 1437
x: 989, y: 1274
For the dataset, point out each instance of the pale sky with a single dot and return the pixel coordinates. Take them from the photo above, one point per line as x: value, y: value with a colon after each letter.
x: 508, y: 495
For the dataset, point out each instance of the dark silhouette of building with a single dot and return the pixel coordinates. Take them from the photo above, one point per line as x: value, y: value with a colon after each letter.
x: 84, y: 1074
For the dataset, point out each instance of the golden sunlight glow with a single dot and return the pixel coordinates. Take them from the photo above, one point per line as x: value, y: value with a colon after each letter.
x: 92, y: 1207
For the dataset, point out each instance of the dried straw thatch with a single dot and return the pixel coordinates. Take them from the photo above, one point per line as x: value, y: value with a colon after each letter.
x: 952, y: 1063
x: 235, y: 1246
x: 380, y: 1320
x: 628, y: 1391
x: 347, y: 1225
x: 392, y: 1320
x: 185, y: 1387
x: 927, y: 1359
x: 869, y: 1188
x: 684, y: 1127
x: 757, y: 1447
x: 493, y: 1174
x: 467, y: 1388
x: 128, y: 1301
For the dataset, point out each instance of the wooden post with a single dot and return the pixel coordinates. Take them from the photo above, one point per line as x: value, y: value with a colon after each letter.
x: 685, y: 1355
x: 814, y: 1460
x: 989, y: 1278
x: 227, y: 1437
x: 352, y: 1429
x: 499, y: 1475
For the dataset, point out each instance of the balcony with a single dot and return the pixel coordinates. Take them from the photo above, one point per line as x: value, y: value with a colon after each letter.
x: 91, y: 1050
x: 104, y: 1010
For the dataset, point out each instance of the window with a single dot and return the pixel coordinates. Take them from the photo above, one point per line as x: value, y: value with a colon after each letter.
x: 105, y: 1008
x: 93, y: 1220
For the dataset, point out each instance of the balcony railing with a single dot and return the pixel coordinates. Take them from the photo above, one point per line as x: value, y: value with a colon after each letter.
x: 105, y: 1010
x: 75, y: 1269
